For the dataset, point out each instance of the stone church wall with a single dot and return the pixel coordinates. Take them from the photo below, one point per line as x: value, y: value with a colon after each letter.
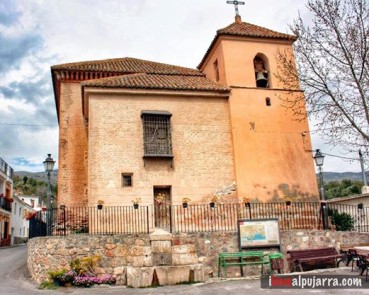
x: 122, y: 256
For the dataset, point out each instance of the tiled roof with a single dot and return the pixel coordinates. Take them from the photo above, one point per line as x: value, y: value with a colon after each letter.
x: 163, y: 82
x: 250, y: 30
x: 242, y: 29
x: 127, y: 65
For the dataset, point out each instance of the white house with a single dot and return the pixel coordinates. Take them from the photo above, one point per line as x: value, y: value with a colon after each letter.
x: 33, y: 201
x: 19, y: 226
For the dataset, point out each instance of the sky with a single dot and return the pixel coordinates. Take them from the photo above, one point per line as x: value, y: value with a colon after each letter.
x: 36, y: 34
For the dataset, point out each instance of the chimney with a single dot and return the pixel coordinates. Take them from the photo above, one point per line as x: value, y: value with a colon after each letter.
x: 238, y: 19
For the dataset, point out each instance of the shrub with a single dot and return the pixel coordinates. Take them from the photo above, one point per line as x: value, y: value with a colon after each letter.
x: 57, y: 274
x: 47, y: 285
x: 81, y: 274
x: 68, y: 277
x: 84, y: 265
x: 343, y: 221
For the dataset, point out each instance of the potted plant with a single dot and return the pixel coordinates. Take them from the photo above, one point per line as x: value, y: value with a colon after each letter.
x: 185, y: 202
x: 288, y: 201
x: 246, y: 201
x: 136, y: 202
x: 213, y: 200
x: 360, y: 206
x: 100, y: 204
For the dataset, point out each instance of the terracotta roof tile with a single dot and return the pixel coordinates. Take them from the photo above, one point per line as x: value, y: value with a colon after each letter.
x: 127, y: 65
x: 250, y: 30
x: 242, y: 29
x: 164, y: 82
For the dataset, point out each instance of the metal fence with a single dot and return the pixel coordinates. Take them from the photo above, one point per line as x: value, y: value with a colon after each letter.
x: 349, y: 217
x: 191, y: 218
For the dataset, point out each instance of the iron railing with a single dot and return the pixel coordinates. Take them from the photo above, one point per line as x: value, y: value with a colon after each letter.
x: 6, y: 169
x: 5, y: 204
x: 355, y: 217
x: 192, y: 218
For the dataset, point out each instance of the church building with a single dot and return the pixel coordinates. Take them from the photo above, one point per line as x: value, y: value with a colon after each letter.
x: 131, y: 128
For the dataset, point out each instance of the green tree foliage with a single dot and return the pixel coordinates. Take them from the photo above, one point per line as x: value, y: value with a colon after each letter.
x: 32, y: 186
x: 343, y: 221
x: 344, y: 188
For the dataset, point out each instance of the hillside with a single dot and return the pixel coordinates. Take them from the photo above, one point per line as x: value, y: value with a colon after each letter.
x: 39, y: 175
x: 328, y: 176
x: 337, y: 176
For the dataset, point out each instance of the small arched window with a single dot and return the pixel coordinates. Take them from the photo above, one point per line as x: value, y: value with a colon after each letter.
x: 261, y: 71
x: 216, y: 70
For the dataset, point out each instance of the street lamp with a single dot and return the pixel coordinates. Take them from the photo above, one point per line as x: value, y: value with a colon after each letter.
x: 49, y: 166
x: 319, y: 161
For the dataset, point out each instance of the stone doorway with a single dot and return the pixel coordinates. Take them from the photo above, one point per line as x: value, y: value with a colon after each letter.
x: 162, y: 202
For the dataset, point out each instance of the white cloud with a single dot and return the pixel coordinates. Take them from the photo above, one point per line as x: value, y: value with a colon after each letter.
x: 176, y: 32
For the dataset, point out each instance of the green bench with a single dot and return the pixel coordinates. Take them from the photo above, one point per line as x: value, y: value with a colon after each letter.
x: 241, y: 259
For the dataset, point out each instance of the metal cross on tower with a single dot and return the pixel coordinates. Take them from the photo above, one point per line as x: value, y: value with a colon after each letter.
x: 236, y: 3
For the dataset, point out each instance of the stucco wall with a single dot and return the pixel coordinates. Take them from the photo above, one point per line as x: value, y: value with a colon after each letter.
x: 117, y: 252
x: 272, y: 156
x: 201, y: 140
x: 72, y: 175
x: 272, y: 150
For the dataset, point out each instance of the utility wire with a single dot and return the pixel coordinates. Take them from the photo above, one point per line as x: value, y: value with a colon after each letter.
x: 31, y: 125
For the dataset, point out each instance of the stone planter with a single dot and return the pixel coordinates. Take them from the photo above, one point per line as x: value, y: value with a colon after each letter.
x: 100, y: 206
x: 135, y: 206
x: 212, y: 204
x: 184, y: 205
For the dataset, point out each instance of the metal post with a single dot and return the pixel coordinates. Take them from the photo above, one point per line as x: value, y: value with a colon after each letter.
x: 64, y: 221
x: 147, y: 219
x: 49, y: 213
x: 322, y: 197
x: 324, y: 215
x: 362, y: 168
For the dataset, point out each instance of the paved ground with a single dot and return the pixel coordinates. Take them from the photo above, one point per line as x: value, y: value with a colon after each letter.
x: 14, y: 279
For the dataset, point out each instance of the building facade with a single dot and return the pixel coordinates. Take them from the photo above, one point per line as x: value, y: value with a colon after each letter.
x: 19, y: 223
x: 6, y: 190
x: 131, y: 128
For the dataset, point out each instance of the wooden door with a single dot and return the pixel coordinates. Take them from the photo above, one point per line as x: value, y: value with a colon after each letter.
x: 162, y: 202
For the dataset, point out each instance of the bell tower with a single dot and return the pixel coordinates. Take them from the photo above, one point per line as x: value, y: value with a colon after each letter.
x: 272, y: 150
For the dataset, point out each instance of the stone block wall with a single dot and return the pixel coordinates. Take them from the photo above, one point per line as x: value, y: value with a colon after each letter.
x: 189, y: 253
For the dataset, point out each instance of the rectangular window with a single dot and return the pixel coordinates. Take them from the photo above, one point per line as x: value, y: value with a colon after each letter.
x: 127, y: 179
x: 157, y: 134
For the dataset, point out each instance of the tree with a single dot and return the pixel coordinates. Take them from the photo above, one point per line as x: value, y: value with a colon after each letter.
x: 332, y: 67
x: 344, y: 188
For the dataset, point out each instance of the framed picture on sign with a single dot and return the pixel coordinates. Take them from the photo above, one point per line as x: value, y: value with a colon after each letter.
x: 259, y: 233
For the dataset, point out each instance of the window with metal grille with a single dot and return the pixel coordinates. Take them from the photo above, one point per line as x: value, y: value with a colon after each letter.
x: 157, y: 134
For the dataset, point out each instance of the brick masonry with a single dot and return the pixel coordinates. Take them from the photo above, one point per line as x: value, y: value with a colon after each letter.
x: 72, y: 175
x: 120, y: 252
x: 201, y: 140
